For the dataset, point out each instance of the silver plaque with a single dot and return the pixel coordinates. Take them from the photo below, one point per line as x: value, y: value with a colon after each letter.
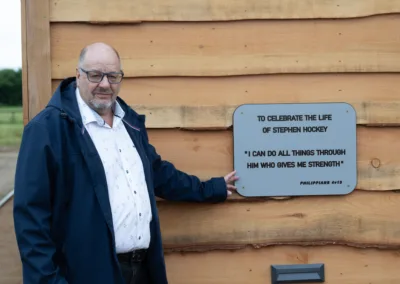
x: 295, y: 149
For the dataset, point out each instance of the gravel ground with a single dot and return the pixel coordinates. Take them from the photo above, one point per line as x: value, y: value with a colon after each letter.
x: 10, y: 264
x: 8, y: 162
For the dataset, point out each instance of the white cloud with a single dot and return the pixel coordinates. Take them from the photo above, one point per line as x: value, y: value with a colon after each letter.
x: 10, y: 34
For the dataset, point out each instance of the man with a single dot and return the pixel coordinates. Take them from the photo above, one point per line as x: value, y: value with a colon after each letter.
x: 86, y: 181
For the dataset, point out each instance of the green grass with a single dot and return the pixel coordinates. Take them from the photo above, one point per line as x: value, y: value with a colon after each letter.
x: 11, y: 126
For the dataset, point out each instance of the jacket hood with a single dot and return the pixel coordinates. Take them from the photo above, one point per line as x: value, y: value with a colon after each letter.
x: 64, y: 100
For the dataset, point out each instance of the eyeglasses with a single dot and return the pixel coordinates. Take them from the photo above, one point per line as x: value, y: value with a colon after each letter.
x: 97, y: 76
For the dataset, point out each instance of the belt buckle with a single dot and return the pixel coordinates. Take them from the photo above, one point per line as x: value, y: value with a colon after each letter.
x: 137, y: 256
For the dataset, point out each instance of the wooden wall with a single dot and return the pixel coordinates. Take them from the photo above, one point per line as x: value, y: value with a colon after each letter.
x: 190, y: 63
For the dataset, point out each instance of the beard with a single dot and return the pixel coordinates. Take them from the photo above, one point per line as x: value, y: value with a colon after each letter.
x: 102, y: 104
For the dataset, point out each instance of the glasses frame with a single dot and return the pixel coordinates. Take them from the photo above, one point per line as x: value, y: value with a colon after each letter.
x: 102, y: 75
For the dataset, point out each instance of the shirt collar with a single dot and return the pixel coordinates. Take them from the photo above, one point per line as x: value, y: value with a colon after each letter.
x: 89, y: 115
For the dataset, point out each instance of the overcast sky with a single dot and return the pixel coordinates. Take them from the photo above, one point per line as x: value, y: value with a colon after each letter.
x: 10, y: 34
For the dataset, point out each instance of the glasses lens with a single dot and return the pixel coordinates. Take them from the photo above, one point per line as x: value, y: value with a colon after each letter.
x: 114, y: 78
x: 95, y: 76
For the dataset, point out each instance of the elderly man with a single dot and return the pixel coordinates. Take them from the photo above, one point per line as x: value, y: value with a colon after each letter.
x: 86, y: 182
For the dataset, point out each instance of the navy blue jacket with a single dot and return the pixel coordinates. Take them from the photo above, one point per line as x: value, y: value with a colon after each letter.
x: 62, y: 215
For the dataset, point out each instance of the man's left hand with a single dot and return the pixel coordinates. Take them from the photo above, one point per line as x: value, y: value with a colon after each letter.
x: 229, y: 179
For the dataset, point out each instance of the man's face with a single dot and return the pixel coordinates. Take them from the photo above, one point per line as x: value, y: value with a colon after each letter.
x: 102, y: 95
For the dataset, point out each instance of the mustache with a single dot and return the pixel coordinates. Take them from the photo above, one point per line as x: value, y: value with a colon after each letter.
x: 103, y: 91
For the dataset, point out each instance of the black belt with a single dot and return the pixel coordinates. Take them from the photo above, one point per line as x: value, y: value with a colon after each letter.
x: 133, y: 256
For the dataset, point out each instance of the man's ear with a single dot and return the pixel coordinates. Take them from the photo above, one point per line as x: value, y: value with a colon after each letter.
x: 77, y: 75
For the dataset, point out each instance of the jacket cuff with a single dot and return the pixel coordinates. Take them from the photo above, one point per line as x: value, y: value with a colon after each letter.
x: 220, y: 190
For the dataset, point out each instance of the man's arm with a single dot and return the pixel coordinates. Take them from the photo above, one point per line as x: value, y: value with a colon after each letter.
x: 32, y: 207
x: 173, y: 184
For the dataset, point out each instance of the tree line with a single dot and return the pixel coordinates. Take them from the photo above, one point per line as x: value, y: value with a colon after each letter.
x: 11, y: 87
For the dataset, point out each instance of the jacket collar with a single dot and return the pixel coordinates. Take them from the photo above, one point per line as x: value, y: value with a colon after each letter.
x: 64, y: 99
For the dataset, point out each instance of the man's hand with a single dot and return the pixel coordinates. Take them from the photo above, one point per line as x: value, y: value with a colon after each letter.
x: 230, y: 178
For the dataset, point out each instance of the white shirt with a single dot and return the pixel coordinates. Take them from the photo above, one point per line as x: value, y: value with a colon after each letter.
x: 127, y: 189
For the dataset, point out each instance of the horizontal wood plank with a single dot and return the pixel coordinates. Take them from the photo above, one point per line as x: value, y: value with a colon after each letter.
x: 342, y: 265
x: 217, y: 117
x: 236, y: 48
x: 212, y: 10
x: 360, y: 219
x: 194, y: 102
x: 210, y: 153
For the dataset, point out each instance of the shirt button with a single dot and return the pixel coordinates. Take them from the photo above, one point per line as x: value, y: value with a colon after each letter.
x: 119, y: 150
x: 140, y: 214
x: 135, y: 191
x: 127, y: 172
x: 140, y: 238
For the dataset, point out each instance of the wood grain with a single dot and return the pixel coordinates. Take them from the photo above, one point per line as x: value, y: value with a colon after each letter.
x: 212, y: 10
x: 236, y: 48
x: 219, y: 117
x: 24, y: 71
x: 195, y: 102
x: 343, y: 265
x: 361, y: 219
x: 210, y: 153
x: 37, y: 56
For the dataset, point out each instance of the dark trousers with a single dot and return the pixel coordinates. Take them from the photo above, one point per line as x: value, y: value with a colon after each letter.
x: 133, y: 269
